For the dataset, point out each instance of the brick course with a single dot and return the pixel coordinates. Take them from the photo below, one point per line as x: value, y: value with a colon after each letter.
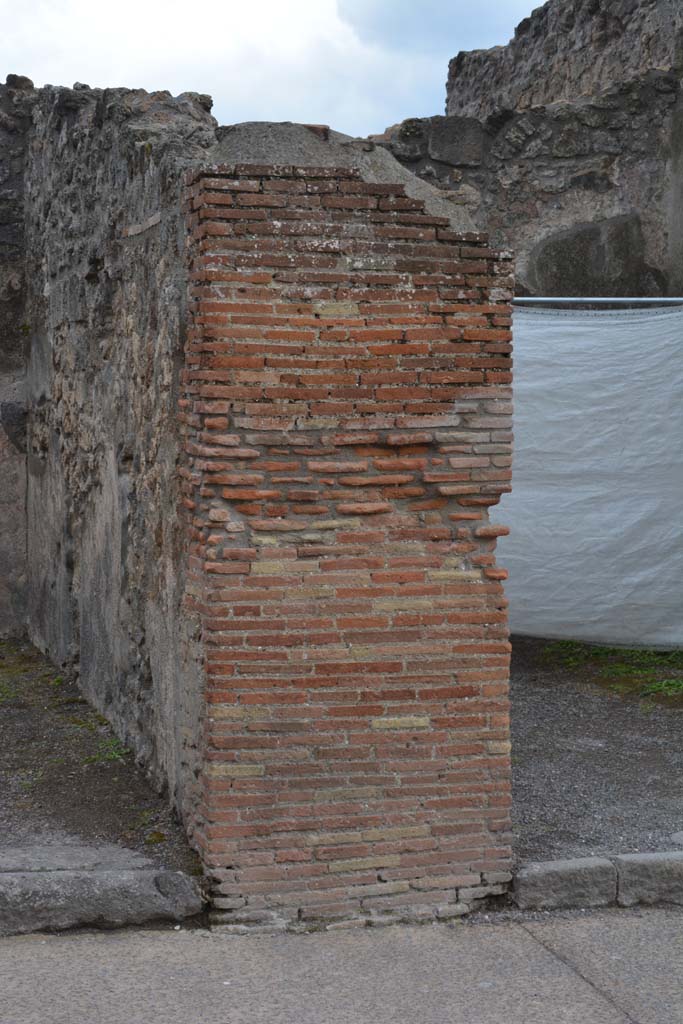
x: 346, y: 409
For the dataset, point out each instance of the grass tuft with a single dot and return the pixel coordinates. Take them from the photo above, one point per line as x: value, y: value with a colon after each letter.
x: 628, y: 671
x: 108, y: 750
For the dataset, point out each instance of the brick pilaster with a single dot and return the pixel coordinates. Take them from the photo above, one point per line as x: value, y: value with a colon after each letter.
x: 347, y: 415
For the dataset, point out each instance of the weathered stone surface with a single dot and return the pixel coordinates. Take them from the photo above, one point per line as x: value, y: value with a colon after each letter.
x: 32, y: 901
x: 588, y: 194
x: 285, y: 144
x: 567, y: 146
x: 448, y: 911
x: 649, y: 878
x: 16, y: 100
x: 70, y: 857
x: 459, y: 142
x: 106, y: 295
x: 606, y: 258
x: 567, y: 49
x: 583, y: 882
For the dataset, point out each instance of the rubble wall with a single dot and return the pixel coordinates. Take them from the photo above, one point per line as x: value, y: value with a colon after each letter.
x: 565, y: 50
x: 587, y: 194
x: 106, y: 280
x: 16, y: 101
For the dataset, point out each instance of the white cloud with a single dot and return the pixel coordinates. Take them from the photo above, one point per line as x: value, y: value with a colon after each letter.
x: 293, y: 60
x: 435, y: 26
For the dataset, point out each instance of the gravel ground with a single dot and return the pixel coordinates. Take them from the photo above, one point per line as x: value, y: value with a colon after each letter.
x: 65, y: 780
x: 594, y: 770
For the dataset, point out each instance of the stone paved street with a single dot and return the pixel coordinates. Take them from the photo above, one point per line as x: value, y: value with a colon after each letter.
x: 612, y: 967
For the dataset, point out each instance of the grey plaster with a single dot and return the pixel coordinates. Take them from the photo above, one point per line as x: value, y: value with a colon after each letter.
x: 286, y: 143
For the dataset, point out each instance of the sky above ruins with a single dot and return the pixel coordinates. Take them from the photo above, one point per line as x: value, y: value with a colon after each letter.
x: 358, y: 65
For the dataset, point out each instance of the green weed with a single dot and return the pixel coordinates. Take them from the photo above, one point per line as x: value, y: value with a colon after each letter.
x: 82, y: 723
x: 665, y: 687
x: 152, y: 838
x: 31, y: 779
x: 143, y: 819
x: 627, y: 671
x: 7, y: 693
x: 108, y: 751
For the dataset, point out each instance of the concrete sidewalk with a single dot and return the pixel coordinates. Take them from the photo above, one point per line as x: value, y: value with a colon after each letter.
x: 607, y: 967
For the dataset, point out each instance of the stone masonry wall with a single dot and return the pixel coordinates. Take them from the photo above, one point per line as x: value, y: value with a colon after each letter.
x: 16, y: 100
x: 347, y: 415
x: 106, y: 310
x: 587, y: 194
x: 568, y: 49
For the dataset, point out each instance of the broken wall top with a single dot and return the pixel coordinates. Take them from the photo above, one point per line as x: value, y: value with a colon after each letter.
x: 565, y: 50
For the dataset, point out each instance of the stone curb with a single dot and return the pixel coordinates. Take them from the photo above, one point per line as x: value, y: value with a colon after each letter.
x: 616, y: 880
x: 49, y: 900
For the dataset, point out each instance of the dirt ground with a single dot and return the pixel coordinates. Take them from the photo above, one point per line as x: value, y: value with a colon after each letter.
x: 597, y: 750
x: 65, y: 777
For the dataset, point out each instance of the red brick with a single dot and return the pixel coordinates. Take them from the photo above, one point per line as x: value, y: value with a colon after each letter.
x: 355, y: 647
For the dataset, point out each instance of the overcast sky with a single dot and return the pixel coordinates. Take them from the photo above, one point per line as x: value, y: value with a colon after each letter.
x: 358, y: 65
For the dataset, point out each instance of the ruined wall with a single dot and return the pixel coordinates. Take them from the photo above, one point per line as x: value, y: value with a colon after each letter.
x: 16, y: 100
x: 263, y: 541
x: 674, y: 198
x: 106, y: 296
x: 347, y: 409
x: 566, y: 144
x: 587, y: 194
x: 568, y: 49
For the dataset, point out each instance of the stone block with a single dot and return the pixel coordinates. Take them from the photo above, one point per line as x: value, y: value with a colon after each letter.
x: 448, y: 911
x: 649, y: 878
x: 581, y: 882
x: 32, y: 901
x: 457, y: 140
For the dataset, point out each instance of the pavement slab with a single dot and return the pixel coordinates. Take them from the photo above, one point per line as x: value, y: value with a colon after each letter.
x: 606, y: 967
x: 636, y: 958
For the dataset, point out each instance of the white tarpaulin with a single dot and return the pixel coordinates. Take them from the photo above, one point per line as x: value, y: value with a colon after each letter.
x: 596, y: 510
